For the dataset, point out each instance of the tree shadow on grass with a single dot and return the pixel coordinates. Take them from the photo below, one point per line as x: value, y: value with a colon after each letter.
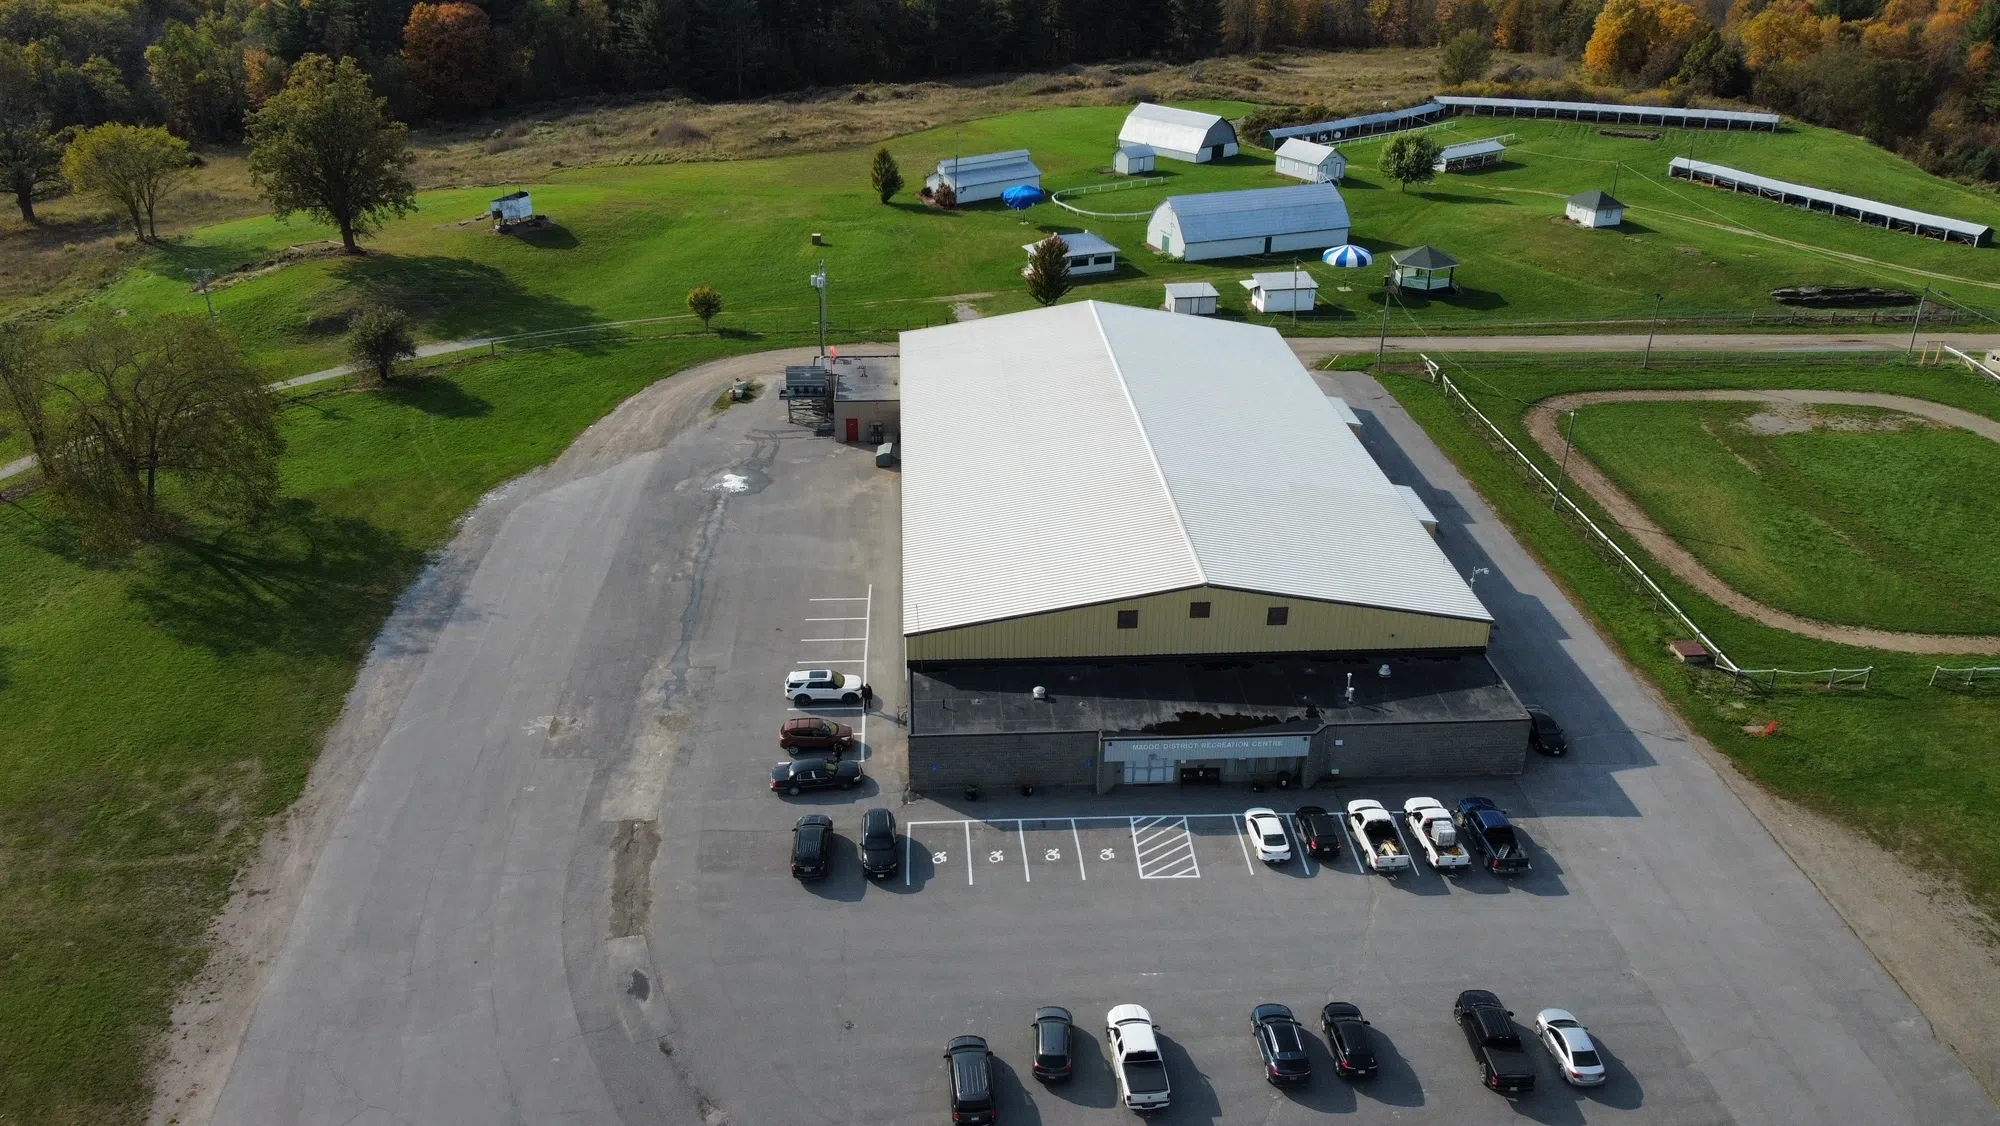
x: 455, y: 297
x: 305, y: 585
x: 437, y: 395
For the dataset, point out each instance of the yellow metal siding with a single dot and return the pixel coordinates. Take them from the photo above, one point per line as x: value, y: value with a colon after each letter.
x: 1235, y: 625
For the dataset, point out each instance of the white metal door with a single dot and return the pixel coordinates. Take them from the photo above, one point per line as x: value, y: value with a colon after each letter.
x: 1153, y: 771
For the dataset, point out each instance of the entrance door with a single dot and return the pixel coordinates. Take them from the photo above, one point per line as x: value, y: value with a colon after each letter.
x: 1153, y: 771
x: 853, y: 429
x: 1215, y: 152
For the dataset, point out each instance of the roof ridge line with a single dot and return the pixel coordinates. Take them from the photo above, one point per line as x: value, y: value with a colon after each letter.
x: 1146, y: 440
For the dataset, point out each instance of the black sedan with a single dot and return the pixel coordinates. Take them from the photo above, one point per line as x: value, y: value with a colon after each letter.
x: 1347, y: 1038
x: 815, y: 774
x: 1545, y: 734
x: 1053, y: 1029
x: 1281, y: 1040
x: 1319, y: 830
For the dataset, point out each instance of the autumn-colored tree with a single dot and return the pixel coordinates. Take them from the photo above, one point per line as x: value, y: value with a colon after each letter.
x: 1514, y: 29
x: 704, y: 302
x: 1633, y: 36
x: 264, y: 74
x: 1787, y: 30
x: 1453, y: 16
x: 135, y: 168
x: 448, y: 55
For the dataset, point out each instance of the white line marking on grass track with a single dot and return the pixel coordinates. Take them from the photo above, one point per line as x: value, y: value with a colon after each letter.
x: 968, y: 853
x: 1021, y: 830
x: 1242, y: 826
x: 1079, y: 849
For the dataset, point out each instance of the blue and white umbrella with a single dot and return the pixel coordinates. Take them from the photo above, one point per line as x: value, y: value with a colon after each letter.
x: 1020, y: 197
x: 1348, y: 257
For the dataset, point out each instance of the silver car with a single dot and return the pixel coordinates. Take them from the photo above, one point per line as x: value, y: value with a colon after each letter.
x: 1570, y: 1045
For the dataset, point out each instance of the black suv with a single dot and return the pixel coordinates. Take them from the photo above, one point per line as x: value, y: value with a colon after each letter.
x: 1053, y: 1028
x: 1347, y: 1038
x: 968, y: 1068
x: 1545, y: 734
x: 815, y: 774
x: 1281, y: 1040
x: 878, y: 844
x: 812, y: 837
x: 1319, y: 830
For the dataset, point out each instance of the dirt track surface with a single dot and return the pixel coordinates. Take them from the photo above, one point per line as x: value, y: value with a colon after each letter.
x: 1543, y: 421
x: 215, y: 1009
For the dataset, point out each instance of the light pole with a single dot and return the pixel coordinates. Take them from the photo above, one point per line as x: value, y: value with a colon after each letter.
x: 818, y: 280
x: 1472, y: 580
x: 1648, y: 361
x: 1568, y: 441
x: 201, y: 279
x: 1916, y: 322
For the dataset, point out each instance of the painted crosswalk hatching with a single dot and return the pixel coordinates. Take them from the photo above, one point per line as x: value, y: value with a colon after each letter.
x: 1165, y: 848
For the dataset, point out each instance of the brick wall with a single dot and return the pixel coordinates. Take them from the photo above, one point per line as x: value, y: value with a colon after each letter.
x: 1059, y: 758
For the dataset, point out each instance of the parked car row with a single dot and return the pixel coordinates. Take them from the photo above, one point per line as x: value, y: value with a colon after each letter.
x: 1447, y: 838
x: 1140, y: 1069
x: 812, y: 845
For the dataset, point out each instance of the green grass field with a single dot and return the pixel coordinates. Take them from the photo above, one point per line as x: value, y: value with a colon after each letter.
x: 631, y: 241
x: 1892, y: 528
x: 153, y: 712
x: 1908, y: 764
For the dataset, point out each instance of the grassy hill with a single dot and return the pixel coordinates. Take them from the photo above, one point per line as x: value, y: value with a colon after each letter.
x: 632, y: 240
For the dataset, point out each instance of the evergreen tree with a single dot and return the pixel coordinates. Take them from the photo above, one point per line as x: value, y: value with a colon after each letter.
x: 1194, y: 27
x: 1048, y: 270
x: 885, y: 176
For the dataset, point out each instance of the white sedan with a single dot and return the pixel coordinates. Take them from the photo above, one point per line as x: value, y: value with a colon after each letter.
x: 1570, y: 1045
x: 1267, y: 829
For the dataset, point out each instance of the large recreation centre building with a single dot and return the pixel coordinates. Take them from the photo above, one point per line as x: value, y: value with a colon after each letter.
x: 1143, y: 548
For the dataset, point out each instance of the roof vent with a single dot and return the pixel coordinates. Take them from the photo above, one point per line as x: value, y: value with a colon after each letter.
x: 1383, y: 672
x: 1041, y: 693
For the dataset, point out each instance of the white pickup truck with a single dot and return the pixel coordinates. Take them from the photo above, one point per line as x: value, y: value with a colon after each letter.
x: 1136, y: 1060
x: 1430, y: 824
x: 1375, y: 834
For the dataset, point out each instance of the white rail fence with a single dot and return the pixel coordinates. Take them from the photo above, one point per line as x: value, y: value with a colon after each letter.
x: 1965, y: 677
x: 1059, y: 198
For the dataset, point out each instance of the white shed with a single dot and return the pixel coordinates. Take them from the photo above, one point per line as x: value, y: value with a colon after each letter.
x: 1088, y: 254
x: 1594, y: 209
x: 975, y: 178
x: 1179, y: 134
x: 1198, y: 298
x: 1293, y: 291
x: 1196, y: 228
x: 1133, y: 159
x: 1313, y: 163
x: 512, y: 208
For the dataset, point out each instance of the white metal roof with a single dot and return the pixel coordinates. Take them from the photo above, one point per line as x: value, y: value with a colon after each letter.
x: 1971, y: 230
x: 1012, y: 166
x: 1310, y: 153
x: 1289, y: 279
x: 1135, y: 149
x: 1080, y: 242
x: 1425, y: 112
x: 1416, y: 505
x: 1470, y: 148
x: 1181, y: 130
x: 1667, y: 114
x: 1087, y: 453
x: 1216, y: 216
x: 1191, y: 289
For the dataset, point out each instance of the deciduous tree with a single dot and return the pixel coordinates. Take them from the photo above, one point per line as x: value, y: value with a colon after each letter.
x: 325, y: 145
x: 134, y: 167
x: 448, y: 55
x: 379, y: 340
x: 1464, y: 58
x: 1048, y: 270
x: 704, y: 302
x: 198, y: 72
x: 30, y: 158
x: 887, y: 178
x: 1410, y: 158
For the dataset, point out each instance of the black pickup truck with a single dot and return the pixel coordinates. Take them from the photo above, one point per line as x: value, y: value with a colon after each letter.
x: 1484, y: 828
x: 1489, y: 1030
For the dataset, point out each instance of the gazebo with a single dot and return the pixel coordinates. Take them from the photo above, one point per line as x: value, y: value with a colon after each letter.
x: 1423, y: 268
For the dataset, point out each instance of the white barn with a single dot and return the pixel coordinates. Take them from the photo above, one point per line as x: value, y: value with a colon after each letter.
x: 1313, y: 163
x: 1293, y: 291
x: 1179, y: 134
x: 1195, y: 298
x: 976, y: 178
x: 1133, y: 159
x: 1088, y: 254
x: 1197, y: 228
x: 1594, y: 209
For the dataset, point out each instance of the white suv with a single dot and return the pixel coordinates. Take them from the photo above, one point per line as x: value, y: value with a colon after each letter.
x: 805, y: 687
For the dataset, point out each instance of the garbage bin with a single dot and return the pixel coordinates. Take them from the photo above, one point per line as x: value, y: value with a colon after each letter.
x: 885, y: 454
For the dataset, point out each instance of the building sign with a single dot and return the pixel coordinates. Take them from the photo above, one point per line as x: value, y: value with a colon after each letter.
x: 1222, y: 747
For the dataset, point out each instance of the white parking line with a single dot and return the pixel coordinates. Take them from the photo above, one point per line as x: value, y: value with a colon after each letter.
x: 833, y: 639
x: 851, y: 598
x: 828, y: 708
x: 1021, y: 829
x: 832, y: 661
x: 906, y: 854
x: 968, y: 854
x: 1353, y: 846
x: 836, y: 619
x: 868, y: 629
x: 1241, y: 827
x: 1299, y: 842
x: 1164, y: 848
x: 1077, y: 839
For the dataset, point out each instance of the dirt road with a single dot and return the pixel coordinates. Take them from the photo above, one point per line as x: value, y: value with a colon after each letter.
x: 1543, y: 422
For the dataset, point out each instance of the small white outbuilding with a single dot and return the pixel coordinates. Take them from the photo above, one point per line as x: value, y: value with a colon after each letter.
x: 1313, y: 163
x: 1470, y: 156
x: 1179, y: 134
x: 1197, y: 298
x: 512, y: 208
x: 987, y: 176
x: 1133, y: 159
x: 1594, y: 209
x: 1293, y: 291
x: 1088, y: 254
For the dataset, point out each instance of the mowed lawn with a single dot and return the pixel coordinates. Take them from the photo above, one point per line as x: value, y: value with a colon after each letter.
x: 152, y: 712
x: 1873, y: 518
x: 1906, y: 763
x: 629, y: 242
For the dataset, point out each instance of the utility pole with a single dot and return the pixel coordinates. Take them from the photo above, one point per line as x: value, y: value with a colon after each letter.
x: 1916, y: 322
x: 201, y: 279
x: 1651, y: 332
x: 1382, y: 345
x: 1616, y: 168
x: 1295, y: 297
x: 818, y: 280
x: 1568, y: 440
